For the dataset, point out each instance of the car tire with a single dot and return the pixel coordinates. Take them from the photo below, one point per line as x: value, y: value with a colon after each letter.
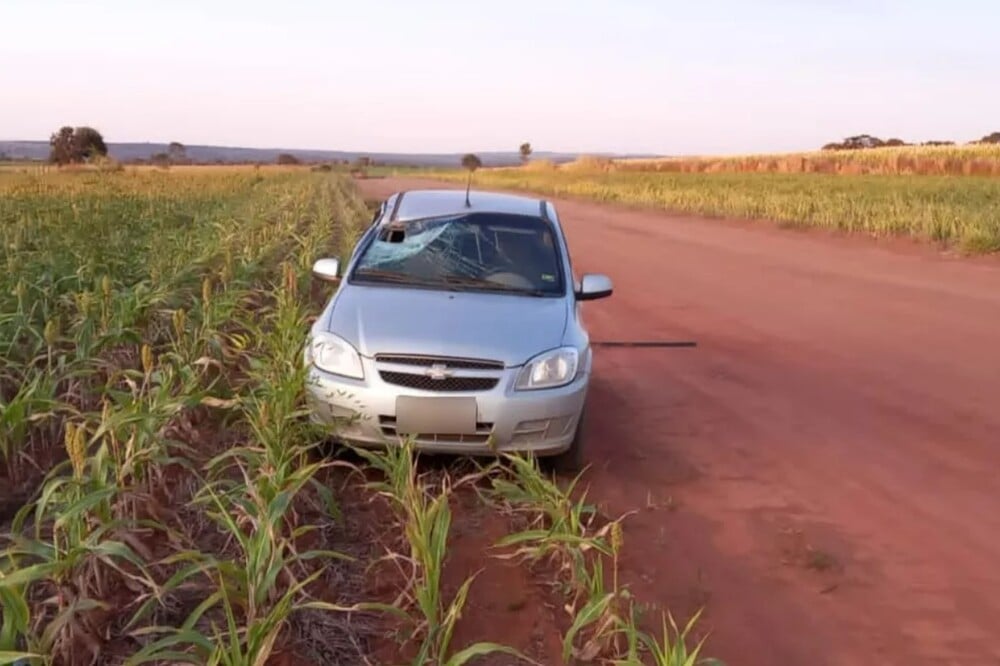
x: 571, y: 460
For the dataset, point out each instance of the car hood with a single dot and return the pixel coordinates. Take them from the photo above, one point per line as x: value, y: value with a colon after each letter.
x: 500, y: 327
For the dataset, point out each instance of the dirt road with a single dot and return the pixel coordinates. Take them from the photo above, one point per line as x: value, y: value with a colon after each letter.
x: 823, y: 471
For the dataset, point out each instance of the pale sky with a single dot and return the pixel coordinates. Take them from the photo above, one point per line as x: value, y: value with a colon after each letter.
x: 700, y: 76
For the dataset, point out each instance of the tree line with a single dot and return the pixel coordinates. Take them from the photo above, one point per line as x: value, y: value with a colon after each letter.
x: 79, y: 145
x: 866, y: 141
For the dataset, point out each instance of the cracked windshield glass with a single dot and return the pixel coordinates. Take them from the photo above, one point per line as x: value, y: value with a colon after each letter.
x: 475, y: 252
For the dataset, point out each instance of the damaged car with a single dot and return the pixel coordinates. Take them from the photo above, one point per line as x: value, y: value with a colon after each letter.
x: 456, y: 323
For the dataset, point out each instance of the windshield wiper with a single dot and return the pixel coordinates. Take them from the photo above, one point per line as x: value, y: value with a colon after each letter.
x: 387, y: 276
x: 452, y: 282
x: 479, y: 284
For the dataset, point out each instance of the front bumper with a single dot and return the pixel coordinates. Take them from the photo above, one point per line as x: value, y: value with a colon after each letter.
x: 363, y: 412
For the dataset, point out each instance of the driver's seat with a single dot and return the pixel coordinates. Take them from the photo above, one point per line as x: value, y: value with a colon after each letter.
x: 524, y: 252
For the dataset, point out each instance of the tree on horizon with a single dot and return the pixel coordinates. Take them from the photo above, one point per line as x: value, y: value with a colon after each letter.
x: 177, y: 152
x: 471, y: 162
x: 525, y: 151
x: 75, y: 145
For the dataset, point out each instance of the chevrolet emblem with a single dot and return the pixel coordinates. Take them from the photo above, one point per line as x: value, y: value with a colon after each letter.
x: 438, y: 371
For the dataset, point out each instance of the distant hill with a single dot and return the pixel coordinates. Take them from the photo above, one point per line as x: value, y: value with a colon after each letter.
x: 127, y: 152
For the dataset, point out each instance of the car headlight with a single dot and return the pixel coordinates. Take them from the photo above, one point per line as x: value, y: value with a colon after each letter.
x: 335, y: 355
x: 549, y: 370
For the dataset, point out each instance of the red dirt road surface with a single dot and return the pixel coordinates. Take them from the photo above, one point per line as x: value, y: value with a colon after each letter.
x: 822, y: 472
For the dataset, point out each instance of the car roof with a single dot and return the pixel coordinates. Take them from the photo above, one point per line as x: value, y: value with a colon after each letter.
x: 419, y: 204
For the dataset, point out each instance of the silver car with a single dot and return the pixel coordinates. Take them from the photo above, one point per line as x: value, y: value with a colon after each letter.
x: 456, y: 322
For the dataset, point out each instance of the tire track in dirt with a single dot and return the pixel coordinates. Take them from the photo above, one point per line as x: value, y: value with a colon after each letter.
x: 821, y: 472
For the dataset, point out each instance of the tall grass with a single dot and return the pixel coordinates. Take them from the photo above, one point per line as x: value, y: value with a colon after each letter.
x: 957, y: 160
x: 144, y: 316
x: 964, y: 212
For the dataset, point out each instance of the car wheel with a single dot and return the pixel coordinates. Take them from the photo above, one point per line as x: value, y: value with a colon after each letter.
x: 571, y: 460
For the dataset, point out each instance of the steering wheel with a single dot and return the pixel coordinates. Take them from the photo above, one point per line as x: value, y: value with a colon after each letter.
x: 510, y: 279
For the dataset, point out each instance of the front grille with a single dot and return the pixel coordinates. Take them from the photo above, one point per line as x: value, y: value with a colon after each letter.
x: 451, y: 363
x: 448, y: 384
x: 481, y: 436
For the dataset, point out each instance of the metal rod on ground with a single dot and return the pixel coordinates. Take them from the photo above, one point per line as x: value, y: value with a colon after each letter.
x: 641, y: 343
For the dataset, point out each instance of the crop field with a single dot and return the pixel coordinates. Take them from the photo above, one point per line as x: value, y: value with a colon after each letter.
x: 166, y: 499
x: 958, y: 211
x: 965, y: 160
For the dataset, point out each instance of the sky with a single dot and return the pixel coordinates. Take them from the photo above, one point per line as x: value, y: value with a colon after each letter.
x: 664, y: 77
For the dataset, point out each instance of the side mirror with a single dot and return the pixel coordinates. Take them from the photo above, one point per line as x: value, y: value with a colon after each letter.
x: 594, y: 286
x: 327, y: 269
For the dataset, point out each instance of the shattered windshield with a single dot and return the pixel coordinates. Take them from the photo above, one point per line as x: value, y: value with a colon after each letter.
x: 471, y: 252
